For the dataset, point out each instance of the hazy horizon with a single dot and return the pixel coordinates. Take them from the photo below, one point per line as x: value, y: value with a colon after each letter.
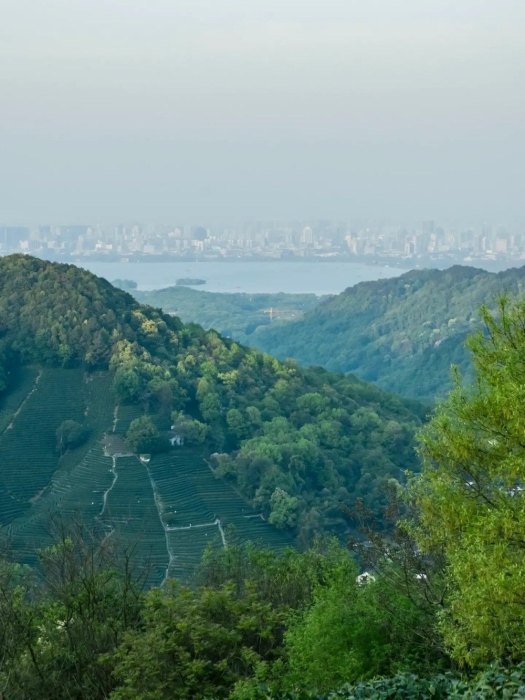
x: 216, y: 111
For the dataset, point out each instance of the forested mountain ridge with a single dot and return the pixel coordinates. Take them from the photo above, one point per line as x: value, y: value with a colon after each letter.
x: 236, y: 315
x: 303, y: 446
x: 402, y: 333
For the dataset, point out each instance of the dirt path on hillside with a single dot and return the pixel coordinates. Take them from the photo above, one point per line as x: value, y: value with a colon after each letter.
x: 17, y: 412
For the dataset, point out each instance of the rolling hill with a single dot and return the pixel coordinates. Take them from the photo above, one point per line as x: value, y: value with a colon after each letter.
x: 271, y: 452
x: 401, y: 333
x: 235, y: 315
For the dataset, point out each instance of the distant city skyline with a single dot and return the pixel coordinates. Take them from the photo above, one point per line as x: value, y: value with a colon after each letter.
x: 429, y: 242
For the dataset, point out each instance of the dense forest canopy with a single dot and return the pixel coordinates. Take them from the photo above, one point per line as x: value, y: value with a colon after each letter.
x: 401, y: 333
x: 304, y: 446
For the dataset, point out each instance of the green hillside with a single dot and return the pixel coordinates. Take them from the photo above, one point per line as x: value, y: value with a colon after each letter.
x: 290, y: 452
x: 235, y: 315
x: 402, y: 333
x: 438, y: 612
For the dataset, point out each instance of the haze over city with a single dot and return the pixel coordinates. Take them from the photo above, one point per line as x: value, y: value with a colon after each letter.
x: 217, y: 111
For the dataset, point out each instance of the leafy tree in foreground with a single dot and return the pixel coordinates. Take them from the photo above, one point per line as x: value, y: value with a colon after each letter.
x: 60, y: 629
x: 195, y: 644
x: 471, y: 496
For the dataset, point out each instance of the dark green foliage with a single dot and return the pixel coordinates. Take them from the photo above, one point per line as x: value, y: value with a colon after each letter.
x: 192, y: 432
x: 59, y: 314
x: 337, y: 629
x: 403, y: 333
x: 85, y: 631
x: 70, y: 434
x: 29, y: 446
x: 124, y: 284
x: 288, y: 580
x: 21, y: 381
x: 196, y: 645
x: 143, y: 436
x: 259, y: 627
x: 56, y: 632
x: 496, y: 682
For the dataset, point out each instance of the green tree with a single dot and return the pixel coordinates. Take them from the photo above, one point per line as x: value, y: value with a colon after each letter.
x: 196, y: 644
x: 142, y: 435
x: 58, y: 632
x: 470, y: 496
x: 70, y: 434
x: 193, y: 431
x: 284, y: 509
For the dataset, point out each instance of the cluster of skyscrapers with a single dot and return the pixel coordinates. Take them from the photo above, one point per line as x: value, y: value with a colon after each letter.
x: 266, y: 240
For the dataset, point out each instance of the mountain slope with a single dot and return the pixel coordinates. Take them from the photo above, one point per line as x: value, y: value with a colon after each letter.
x: 235, y: 315
x: 402, y: 333
x: 301, y: 448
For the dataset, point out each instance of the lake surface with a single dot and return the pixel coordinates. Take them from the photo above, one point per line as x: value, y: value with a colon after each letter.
x: 251, y: 277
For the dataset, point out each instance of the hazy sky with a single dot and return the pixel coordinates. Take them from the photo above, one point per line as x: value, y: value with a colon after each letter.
x: 217, y: 110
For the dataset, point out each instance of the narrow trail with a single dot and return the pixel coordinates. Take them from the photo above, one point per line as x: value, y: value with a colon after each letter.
x: 115, y: 419
x: 174, y: 528
x: 109, y: 490
x: 158, y: 505
x: 16, y: 413
x: 223, y: 538
x: 113, y: 482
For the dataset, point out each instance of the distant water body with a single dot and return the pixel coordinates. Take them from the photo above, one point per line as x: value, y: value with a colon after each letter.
x: 251, y: 277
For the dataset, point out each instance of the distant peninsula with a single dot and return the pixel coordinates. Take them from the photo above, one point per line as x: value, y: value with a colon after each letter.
x: 189, y: 282
x: 124, y: 284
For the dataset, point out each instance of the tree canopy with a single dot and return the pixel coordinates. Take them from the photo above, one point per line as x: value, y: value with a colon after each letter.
x: 470, y: 496
x: 402, y: 333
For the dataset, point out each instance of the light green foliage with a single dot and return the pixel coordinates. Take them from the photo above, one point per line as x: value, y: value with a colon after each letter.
x: 319, y: 645
x: 470, y: 496
x: 283, y: 509
x: 355, y: 631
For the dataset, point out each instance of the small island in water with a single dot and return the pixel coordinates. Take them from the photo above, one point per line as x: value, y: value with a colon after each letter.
x: 189, y: 282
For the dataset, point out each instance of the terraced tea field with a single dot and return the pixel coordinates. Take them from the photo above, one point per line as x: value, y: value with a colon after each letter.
x: 28, y: 453
x: 166, y: 511
x: 22, y: 384
x: 130, y: 516
x: 198, y: 510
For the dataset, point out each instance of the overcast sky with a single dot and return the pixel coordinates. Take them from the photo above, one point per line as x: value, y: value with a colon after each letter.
x: 219, y: 110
